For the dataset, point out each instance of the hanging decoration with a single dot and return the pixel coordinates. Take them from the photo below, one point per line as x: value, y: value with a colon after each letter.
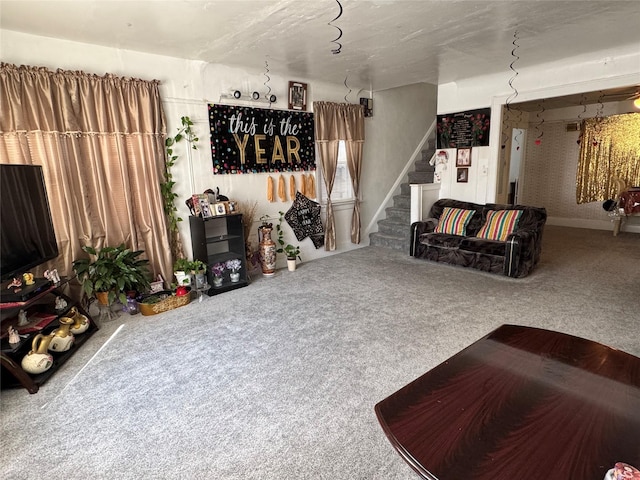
x: 282, y: 195
x: 311, y: 186
x: 539, y: 116
x: 338, y: 48
x: 292, y: 186
x: 270, y: 196
x: 268, y: 95
x: 583, y: 104
x: 256, y: 140
x: 303, y: 182
x: 598, y: 120
x: 514, y: 90
x: 304, y: 219
x: 348, y: 88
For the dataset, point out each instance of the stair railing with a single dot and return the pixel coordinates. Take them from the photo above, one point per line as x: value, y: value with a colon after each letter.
x: 401, y: 178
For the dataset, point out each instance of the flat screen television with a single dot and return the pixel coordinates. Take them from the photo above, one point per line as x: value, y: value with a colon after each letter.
x: 27, y: 237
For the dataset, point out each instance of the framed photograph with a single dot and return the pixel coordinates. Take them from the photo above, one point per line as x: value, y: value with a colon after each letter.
x: 462, y: 175
x: 219, y: 209
x: 463, y: 159
x: 205, y: 207
x: 297, y: 96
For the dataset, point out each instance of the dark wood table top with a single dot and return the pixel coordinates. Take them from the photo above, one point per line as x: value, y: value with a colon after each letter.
x: 521, y: 403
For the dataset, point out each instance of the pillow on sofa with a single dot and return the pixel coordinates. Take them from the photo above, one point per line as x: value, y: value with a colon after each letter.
x: 499, y: 224
x: 453, y: 221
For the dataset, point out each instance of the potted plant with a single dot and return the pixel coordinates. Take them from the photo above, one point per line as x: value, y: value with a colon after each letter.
x: 234, y: 266
x: 111, y: 271
x: 292, y: 252
x: 198, y: 268
x: 217, y: 270
x: 182, y: 271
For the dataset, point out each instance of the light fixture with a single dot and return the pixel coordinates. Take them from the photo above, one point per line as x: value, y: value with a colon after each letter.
x: 252, y: 96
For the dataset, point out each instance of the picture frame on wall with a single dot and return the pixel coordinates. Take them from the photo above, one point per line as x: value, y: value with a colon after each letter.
x: 463, y: 158
x: 462, y: 175
x: 297, y: 96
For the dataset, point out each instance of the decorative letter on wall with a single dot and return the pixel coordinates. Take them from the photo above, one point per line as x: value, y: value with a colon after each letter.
x: 255, y: 140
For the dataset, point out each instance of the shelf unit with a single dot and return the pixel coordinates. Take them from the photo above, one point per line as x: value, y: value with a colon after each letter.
x: 218, y: 239
x: 11, y: 354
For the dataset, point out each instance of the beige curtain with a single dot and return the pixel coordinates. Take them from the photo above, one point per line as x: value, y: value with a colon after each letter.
x: 100, y: 141
x: 609, y: 151
x: 335, y: 122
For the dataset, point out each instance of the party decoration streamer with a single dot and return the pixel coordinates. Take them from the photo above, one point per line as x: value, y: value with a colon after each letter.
x: 338, y: 48
x: 266, y: 82
x: 598, y: 119
x: 270, y: 197
x: 583, y: 103
x: 292, y: 186
x: 303, y: 186
x: 348, y: 88
x: 282, y: 194
x: 538, y: 140
x: 514, y: 93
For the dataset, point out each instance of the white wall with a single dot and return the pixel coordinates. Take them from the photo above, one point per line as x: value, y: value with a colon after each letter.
x: 589, y: 72
x: 401, y: 117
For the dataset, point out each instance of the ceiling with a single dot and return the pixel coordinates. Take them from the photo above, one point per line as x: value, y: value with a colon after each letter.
x: 385, y: 43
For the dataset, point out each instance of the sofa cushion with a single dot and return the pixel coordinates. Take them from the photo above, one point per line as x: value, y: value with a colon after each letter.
x: 441, y: 240
x: 499, y: 224
x: 453, y: 221
x: 480, y: 245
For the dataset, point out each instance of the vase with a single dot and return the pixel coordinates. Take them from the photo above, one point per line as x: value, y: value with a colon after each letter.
x: 38, y: 360
x: 267, y: 252
x: 80, y: 322
x: 217, y: 281
x: 235, y: 277
x: 62, y: 336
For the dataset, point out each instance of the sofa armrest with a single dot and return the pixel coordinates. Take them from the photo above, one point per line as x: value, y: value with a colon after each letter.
x: 522, y: 252
x: 427, y: 225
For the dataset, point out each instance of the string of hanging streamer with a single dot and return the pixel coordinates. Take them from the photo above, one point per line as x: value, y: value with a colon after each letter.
x: 338, y: 47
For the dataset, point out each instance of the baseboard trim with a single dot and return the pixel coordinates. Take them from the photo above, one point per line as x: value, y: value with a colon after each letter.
x: 592, y: 224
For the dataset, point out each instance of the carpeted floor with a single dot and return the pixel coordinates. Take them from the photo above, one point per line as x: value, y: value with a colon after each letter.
x: 278, y: 380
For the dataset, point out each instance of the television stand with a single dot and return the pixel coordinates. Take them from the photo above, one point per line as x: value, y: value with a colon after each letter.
x: 43, y: 318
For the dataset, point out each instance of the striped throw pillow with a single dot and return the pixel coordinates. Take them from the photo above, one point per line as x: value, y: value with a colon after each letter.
x: 499, y: 224
x: 454, y: 221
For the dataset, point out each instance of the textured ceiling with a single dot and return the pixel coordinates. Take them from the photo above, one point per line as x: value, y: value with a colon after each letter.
x: 385, y: 43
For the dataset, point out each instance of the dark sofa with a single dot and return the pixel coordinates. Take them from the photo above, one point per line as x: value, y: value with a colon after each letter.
x: 514, y: 257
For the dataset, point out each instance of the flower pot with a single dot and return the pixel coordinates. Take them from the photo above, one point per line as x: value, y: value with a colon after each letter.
x: 235, y: 277
x: 201, y: 280
x: 183, y: 278
x: 291, y: 264
x: 217, y: 281
x: 103, y: 297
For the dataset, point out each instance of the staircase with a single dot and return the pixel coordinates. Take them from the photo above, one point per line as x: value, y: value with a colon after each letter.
x: 395, y: 230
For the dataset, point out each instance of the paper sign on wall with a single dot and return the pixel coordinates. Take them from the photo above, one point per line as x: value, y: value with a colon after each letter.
x: 255, y: 140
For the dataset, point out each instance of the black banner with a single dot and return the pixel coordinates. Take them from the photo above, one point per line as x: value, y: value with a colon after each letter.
x: 254, y: 140
x: 464, y: 129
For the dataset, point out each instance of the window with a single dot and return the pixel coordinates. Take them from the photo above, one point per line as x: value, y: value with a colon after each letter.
x: 342, y: 188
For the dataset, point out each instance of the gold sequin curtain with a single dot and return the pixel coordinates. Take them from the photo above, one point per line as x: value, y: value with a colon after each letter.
x: 609, y: 150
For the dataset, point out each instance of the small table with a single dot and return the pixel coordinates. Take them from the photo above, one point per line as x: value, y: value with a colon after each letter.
x: 520, y: 403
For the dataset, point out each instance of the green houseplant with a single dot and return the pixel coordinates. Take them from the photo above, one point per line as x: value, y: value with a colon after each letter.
x: 114, y: 270
x: 185, y: 132
x: 291, y: 251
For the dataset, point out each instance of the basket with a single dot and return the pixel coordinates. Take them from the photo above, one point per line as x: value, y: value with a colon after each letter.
x: 172, y: 301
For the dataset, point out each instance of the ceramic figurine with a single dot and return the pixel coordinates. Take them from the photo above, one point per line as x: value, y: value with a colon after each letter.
x: 28, y: 278
x: 62, y: 337
x: 38, y: 360
x: 61, y: 304
x: 22, y: 318
x: 80, y: 321
x: 13, y: 335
